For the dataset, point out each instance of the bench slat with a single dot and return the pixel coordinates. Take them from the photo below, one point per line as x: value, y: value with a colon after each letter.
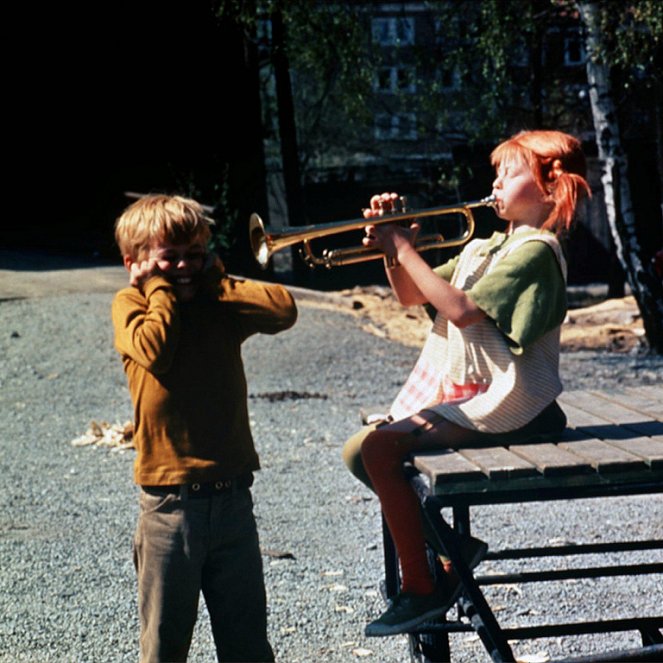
x: 499, y: 463
x: 647, y: 399
x: 596, y: 426
x: 611, y: 410
x: 604, y: 457
x: 551, y: 460
x: 595, y: 403
x: 650, y: 449
x: 447, y: 466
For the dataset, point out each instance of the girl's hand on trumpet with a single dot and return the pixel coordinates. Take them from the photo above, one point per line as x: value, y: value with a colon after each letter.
x: 392, y: 240
x: 389, y: 238
x: 411, y: 278
x: 380, y: 204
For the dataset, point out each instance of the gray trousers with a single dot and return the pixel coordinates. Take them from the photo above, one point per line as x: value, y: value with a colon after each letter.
x: 185, y: 546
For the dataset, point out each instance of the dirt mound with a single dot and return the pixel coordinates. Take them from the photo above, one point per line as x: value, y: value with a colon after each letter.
x: 614, y: 325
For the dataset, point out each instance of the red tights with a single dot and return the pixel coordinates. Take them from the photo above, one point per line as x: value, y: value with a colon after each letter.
x: 382, y: 453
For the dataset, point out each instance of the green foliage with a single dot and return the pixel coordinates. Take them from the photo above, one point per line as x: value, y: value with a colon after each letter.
x: 226, y: 218
x: 214, y: 194
x: 327, y: 46
x: 242, y: 12
x: 632, y: 35
x: 507, y: 84
x: 485, y: 74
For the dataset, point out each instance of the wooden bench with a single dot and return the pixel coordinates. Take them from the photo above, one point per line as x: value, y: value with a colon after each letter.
x: 613, y: 446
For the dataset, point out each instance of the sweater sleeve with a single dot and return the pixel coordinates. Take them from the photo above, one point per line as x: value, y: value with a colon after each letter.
x: 147, y: 324
x: 524, y: 294
x: 259, y: 307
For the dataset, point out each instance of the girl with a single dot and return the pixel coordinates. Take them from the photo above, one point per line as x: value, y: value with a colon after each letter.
x: 490, y: 364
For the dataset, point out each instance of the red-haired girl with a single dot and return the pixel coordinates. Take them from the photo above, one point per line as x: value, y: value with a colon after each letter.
x: 490, y: 364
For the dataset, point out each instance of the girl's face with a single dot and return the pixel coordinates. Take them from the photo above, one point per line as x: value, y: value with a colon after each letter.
x: 519, y: 198
x: 181, y: 264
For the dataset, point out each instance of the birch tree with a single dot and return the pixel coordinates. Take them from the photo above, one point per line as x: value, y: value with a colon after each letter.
x: 645, y: 283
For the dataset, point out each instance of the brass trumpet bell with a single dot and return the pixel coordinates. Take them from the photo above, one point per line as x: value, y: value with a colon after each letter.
x: 265, y: 242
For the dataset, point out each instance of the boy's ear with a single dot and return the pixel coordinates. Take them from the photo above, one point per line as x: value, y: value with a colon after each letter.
x: 127, y: 261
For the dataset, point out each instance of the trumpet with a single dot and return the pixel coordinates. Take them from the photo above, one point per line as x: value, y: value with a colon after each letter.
x: 265, y: 242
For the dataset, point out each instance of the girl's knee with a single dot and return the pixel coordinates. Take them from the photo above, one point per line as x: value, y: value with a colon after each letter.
x: 372, y: 445
x: 384, y: 447
x: 351, y: 454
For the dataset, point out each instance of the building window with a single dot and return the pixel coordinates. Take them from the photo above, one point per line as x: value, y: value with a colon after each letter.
x: 448, y: 78
x: 574, y: 49
x: 393, y: 31
x: 520, y: 53
x: 396, y: 126
x: 264, y: 38
x: 396, y: 79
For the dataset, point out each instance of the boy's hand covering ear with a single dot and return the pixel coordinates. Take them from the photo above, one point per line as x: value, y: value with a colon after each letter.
x: 213, y: 271
x: 141, y: 271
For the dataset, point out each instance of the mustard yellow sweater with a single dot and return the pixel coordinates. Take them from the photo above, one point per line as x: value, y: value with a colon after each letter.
x: 186, y: 377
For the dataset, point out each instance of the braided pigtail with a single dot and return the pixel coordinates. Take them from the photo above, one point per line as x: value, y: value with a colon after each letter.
x: 566, y: 188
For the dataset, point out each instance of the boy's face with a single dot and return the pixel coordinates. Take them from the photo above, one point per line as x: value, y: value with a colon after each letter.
x: 181, y: 264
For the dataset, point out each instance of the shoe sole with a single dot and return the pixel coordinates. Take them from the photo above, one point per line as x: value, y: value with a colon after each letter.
x: 406, y: 627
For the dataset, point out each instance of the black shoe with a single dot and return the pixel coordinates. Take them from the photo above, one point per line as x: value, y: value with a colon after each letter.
x: 410, y: 610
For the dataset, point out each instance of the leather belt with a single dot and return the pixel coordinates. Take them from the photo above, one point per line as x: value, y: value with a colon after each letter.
x: 201, y: 490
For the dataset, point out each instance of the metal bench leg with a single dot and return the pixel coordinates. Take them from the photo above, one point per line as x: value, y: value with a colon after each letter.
x: 474, y: 604
x: 651, y: 637
x: 424, y: 648
x: 430, y: 648
x: 461, y: 516
x: 392, y: 579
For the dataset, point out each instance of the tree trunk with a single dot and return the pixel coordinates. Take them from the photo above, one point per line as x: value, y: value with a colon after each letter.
x: 642, y: 277
x: 657, y: 102
x: 294, y: 192
x: 240, y: 122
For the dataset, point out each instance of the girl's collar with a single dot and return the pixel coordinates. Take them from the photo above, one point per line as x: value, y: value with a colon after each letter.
x: 510, y: 231
x: 495, y: 242
x: 523, y: 228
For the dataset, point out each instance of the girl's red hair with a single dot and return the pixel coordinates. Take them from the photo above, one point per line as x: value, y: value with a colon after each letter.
x: 558, y: 164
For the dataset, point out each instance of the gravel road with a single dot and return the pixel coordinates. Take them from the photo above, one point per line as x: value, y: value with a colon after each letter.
x: 67, y: 587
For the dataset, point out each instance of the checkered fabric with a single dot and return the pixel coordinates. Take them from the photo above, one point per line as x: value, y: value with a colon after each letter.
x: 426, y: 387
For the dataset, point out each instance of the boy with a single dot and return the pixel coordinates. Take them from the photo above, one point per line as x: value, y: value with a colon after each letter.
x: 179, y: 328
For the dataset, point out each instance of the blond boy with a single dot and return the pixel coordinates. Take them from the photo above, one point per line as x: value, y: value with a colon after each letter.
x: 178, y: 328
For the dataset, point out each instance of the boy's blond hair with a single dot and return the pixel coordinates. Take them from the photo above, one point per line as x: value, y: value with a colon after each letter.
x: 160, y: 218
